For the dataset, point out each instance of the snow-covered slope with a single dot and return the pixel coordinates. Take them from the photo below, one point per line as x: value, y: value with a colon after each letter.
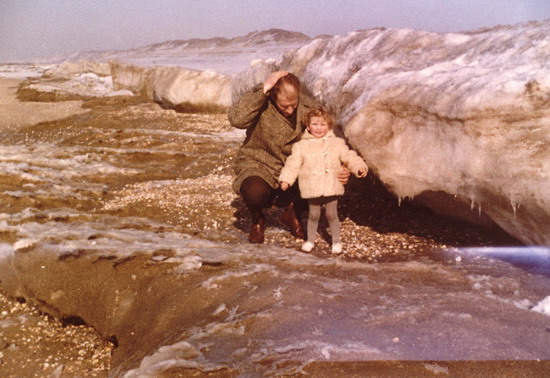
x: 464, y: 116
x: 226, y: 56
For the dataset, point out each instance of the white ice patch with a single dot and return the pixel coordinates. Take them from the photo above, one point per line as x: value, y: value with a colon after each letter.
x: 221, y: 308
x: 232, y: 135
x: 20, y: 74
x: 347, y: 351
x: 24, y: 244
x: 21, y: 71
x: 178, y: 355
x: 3, y: 224
x: 278, y: 293
x: 436, y: 369
x: 84, y: 84
x: 49, y: 163
x: 6, y: 251
x: 543, y: 306
x: 122, y: 92
x: 189, y: 263
x: 215, y: 282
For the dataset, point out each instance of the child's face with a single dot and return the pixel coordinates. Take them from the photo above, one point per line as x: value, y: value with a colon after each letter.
x: 318, y: 127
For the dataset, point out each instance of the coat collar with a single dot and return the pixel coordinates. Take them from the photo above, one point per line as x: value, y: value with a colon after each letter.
x: 307, y: 135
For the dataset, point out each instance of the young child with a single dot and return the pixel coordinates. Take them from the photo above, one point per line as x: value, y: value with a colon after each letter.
x: 315, y: 160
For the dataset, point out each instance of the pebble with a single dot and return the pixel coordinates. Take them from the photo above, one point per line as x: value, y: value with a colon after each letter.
x: 36, y: 340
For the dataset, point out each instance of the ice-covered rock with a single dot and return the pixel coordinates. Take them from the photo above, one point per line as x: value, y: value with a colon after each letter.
x: 175, y: 87
x: 458, y: 120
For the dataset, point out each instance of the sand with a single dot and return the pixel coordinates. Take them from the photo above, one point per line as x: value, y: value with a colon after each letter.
x: 14, y: 113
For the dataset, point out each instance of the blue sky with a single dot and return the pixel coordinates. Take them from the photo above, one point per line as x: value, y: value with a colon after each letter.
x: 35, y: 28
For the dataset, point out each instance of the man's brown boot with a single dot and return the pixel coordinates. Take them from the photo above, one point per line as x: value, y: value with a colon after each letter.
x: 289, y: 219
x: 256, y: 234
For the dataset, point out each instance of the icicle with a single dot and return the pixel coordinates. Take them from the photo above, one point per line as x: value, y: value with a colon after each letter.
x: 479, y: 209
x: 515, y: 207
x: 399, y: 198
x: 472, y: 204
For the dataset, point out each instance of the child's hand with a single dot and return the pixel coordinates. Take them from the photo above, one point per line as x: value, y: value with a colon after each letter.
x: 362, y: 172
x: 284, y: 185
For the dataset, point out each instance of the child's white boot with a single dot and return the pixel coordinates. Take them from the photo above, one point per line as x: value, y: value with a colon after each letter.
x: 337, y: 248
x: 307, y: 246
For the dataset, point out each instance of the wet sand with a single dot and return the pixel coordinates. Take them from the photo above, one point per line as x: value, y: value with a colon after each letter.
x: 32, y: 343
x: 373, y: 230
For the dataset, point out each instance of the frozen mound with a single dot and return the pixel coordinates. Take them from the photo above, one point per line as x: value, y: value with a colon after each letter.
x: 69, y: 81
x: 69, y: 69
x: 22, y: 71
x: 79, y: 86
x: 175, y: 87
x: 460, y: 121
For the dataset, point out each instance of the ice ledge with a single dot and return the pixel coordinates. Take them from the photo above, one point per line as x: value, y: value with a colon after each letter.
x: 466, y: 114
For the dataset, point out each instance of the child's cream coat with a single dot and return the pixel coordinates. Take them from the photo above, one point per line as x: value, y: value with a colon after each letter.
x: 316, y: 161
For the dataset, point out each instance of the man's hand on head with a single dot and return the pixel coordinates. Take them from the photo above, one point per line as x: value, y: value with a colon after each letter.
x: 272, y: 79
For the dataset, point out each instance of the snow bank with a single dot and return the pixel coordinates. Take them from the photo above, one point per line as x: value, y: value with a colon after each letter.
x: 225, y: 56
x: 67, y: 81
x: 543, y: 306
x: 462, y: 117
x: 174, y: 87
x: 81, y: 84
x: 70, y: 87
x: 69, y: 69
x: 22, y: 71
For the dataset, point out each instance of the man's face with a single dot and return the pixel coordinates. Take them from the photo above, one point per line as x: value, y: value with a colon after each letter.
x: 287, y: 101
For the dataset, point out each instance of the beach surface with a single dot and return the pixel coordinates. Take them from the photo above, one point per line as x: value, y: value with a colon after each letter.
x: 15, y: 113
x: 32, y: 343
x: 141, y: 181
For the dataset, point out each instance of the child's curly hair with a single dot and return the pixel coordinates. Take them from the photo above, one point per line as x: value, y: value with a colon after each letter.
x: 321, y: 112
